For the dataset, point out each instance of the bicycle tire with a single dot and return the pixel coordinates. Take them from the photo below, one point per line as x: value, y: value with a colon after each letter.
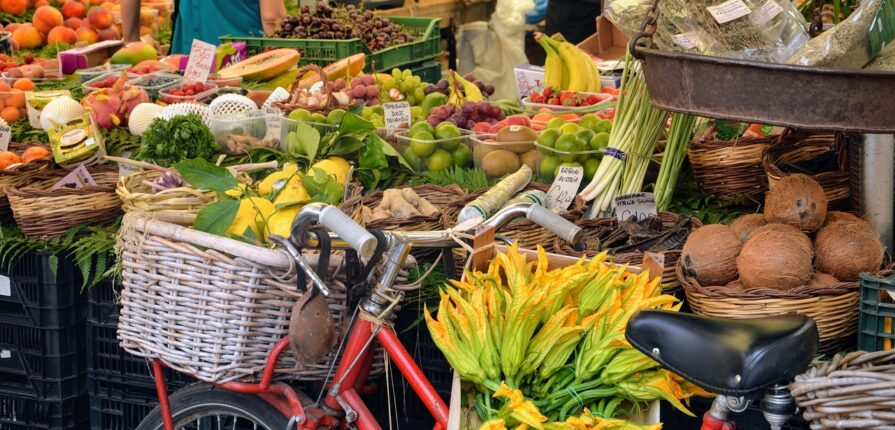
x: 199, y: 401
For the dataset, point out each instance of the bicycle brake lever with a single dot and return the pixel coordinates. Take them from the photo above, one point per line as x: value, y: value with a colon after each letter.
x: 305, y: 267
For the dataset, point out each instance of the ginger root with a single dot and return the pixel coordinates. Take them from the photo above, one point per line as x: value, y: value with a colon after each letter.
x: 423, y: 205
x: 400, y: 204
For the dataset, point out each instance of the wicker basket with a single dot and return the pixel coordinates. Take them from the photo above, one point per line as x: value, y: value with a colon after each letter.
x: 591, y: 228
x: 852, y: 391
x: 834, y: 307
x: 730, y: 168
x: 42, y: 213
x: 795, y: 146
x: 213, y: 307
x: 19, y: 176
x: 440, y: 196
x: 175, y: 205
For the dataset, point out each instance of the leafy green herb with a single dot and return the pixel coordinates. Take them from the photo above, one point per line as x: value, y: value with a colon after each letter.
x: 167, y: 142
x: 468, y: 179
x: 120, y: 140
x: 710, y: 210
x: 23, y: 132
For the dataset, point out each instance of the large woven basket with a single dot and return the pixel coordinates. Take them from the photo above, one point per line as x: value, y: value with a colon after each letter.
x: 834, y: 307
x: 795, y: 146
x: 175, y: 205
x: 42, y: 213
x: 19, y: 176
x: 590, y: 228
x: 213, y: 307
x: 852, y: 391
x: 440, y: 196
x: 729, y: 168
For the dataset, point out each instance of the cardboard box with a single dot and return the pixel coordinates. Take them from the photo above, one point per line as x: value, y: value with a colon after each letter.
x: 88, y: 56
x: 529, y: 79
x: 607, y: 44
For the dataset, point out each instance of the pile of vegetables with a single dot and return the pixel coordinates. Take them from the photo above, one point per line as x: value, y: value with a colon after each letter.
x: 545, y: 348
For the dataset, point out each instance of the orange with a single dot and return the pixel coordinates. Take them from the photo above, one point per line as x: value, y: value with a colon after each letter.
x: 8, y: 158
x: 16, y: 99
x: 10, y: 115
x: 24, y: 84
x: 35, y: 153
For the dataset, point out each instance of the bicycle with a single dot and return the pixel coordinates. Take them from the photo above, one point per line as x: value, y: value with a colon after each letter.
x: 275, y: 405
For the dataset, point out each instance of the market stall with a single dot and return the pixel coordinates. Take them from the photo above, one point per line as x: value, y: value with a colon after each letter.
x: 332, y: 229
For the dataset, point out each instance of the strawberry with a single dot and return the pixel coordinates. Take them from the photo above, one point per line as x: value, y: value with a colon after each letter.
x: 593, y: 99
x: 566, y: 98
x: 548, y: 91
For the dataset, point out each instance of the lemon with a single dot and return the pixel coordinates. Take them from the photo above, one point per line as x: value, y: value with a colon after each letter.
x: 333, y: 166
x: 293, y: 193
x: 290, y: 167
x: 280, y: 223
x: 252, y: 212
x: 276, y: 181
x: 237, y: 191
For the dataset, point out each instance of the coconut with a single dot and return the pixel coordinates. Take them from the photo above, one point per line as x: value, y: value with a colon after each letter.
x: 847, y: 248
x: 821, y: 280
x: 735, y: 286
x: 797, y: 200
x: 833, y: 216
x: 775, y: 259
x: 710, y: 254
x: 744, y: 225
x: 783, y: 228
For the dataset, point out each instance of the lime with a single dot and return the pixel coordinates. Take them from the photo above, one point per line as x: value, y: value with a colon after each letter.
x: 548, y: 137
x: 555, y: 123
x: 335, y: 116
x: 422, y: 126
x: 566, y: 164
x: 569, y: 145
x: 548, y: 167
x: 599, y: 141
x: 569, y: 128
x: 461, y: 156
x: 300, y: 114
x: 412, y: 158
x: 585, y: 134
x: 440, y: 160
x: 448, y: 134
x: 416, y: 112
x: 590, y: 168
x: 319, y: 118
x: 603, y: 125
x: 422, y: 143
x: 589, y: 121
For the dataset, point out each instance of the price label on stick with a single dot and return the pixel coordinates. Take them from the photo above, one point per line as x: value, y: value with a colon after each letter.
x: 274, y: 119
x: 564, y: 188
x: 639, y: 206
x: 5, y: 137
x: 397, y: 114
x: 202, y: 56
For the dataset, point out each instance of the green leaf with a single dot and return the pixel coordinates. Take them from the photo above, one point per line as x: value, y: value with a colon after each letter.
x: 202, y: 174
x: 353, y: 124
x: 390, y: 151
x: 54, y: 264
x: 372, y: 157
x: 346, y: 144
x: 217, y: 217
x: 308, y: 139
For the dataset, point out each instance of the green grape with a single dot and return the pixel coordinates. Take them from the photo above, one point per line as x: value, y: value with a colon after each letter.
x: 388, y: 83
x: 411, y: 100
x: 416, y: 112
x: 396, y: 73
x: 407, y: 74
x: 419, y: 94
x: 417, y: 81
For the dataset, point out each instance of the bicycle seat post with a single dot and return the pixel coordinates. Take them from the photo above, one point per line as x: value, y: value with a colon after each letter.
x: 778, y: 406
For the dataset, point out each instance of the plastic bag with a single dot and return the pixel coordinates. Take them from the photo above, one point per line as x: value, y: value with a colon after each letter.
x: 492, y: 50
x: 847, y: 45
x: 884, y: 61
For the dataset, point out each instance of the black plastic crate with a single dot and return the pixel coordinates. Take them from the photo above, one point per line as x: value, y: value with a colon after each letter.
x: 42, y: 363
x: 102, y: 303
x: 28, y: 413
x: 875, y: 330
x: 32, y: 294
x: 107, y: 362
x: 118, y: 414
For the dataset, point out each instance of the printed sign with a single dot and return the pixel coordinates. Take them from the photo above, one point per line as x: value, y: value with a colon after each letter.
x: 766, y: 12
x: 397, y: 114
x: 78, y: 178
x: 5, y: 137
x: 202, y: 56
x: 564, y: 188
x: 5, y: 290
x: 729, y: 11
x: 639, y: 206
x: 274, y: 119
x: 125, y: 169
x: 688, y: 40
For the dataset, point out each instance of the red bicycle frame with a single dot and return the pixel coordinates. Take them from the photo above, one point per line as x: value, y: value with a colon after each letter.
x: 349, y: 379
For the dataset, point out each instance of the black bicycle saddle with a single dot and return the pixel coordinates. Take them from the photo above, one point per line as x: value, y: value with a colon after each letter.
x: 739, y: 358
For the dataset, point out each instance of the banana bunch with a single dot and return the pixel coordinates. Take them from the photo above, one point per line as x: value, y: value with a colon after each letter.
x: 567, y: 67
x: 470, y: 93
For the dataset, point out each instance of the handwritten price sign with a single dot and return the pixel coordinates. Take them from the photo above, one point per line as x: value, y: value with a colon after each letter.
x: 564, y: 188
x: 639, y: 206
x: 202, y: 56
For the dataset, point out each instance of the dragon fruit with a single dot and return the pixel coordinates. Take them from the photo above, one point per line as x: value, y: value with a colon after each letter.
x: 105, y: 104
x: 130, y: 98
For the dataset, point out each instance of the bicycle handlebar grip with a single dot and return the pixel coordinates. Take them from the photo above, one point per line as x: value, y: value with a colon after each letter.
x: 553, y: 222
x: 358, y: 237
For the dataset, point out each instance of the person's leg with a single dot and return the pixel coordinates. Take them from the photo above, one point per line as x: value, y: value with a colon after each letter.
x: 574, y: 19
x: 130, y: 20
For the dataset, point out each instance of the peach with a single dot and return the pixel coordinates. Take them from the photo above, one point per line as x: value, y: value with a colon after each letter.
x: 40, y: 3
x: 12, y: 27
x: 15, y: 7
x: 63, y: 35
x: 73, y: 9
x: 10, y: 114
x: 16, y: 99
x: 87, y: 34
x: 24, y: 84
x: 72, y: 23
x: 100, y: 18
x: 108, y: 34
x: 145, y: 31
x: 27, y: 36
x: 47, y: 17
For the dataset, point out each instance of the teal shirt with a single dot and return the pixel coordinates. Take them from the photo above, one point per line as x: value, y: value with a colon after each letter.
x: 207, y: 20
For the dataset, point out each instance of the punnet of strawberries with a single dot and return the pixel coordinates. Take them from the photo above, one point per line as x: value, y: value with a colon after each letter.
x: 552, y: 96
x: 189, y: 89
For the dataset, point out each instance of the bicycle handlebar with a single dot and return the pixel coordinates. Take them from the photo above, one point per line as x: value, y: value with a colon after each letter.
x: 553, y: 222
x: 337, y: 222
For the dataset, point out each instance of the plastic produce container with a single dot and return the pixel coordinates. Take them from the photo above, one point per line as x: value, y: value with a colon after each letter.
x: 549, y: 159
x: 103, y: 79
x: 155, y: 82
x: 435, y: 154
x: 209, y: 96
x: 494, y: 158
x: 528, y: 105
x: 165, y: 95
x: 239, y: 135
x: 35, y: 101
x: 94, y: 72
x: 14, y: 98
x: 224, y: 82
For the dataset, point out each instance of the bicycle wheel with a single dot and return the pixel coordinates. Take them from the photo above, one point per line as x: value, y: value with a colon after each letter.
x: 202, y: 407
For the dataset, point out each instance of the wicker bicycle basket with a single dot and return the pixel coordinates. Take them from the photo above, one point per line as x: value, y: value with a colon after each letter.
x: 213, y: 307
x: 794, y: 146
x: 729, y: 168
x: 833, y: 307
x: 852, y: 391
x: 592, y: 227
x: 19, y: 176
x: 42, y: 213
x: 176, y: 205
